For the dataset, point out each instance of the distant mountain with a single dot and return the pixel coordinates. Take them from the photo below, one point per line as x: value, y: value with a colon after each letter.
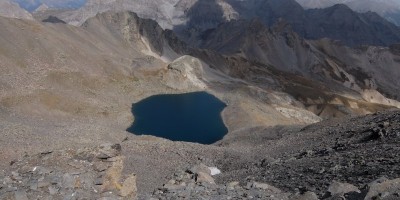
x: 12, y: 10
x: 42, y: 8
x: 342, y: 23
x: 162, y: 11
x: 389, y: 9
x: 32, y: 5
x: 329, y: 68
x: 338, y: 22
x: 191, y: 18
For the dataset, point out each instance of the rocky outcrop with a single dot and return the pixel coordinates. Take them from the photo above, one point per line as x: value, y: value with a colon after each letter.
x: 70, y: 174
x: 54, y: 20
x: 135, y: 31
x: 41, y: 8
x: 186, y: 72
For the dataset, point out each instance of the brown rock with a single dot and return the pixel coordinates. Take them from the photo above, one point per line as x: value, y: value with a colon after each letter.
x: 129, y: 187
x: 113, y: 175
x: 204, y: 177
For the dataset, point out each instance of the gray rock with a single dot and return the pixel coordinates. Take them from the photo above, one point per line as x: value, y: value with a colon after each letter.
x: 108, y: 198
x: 101, y: 166
x: 33, y: 185
x: 267, y: 187
x: 200, y: 168
x: 383, y: 186
x: 25, y: 169
x: 98, y: 181
x: 171, y: 187
x: 305, y: 196
x: 20, y: 195
x: 232, y: 185
x: 53, y: 190
x: 339, y: 189
x: 70, y: 196
x: 15, y: 176
x: 41, y: 170
x: 56, y: 179
x: 68, y: 181
x: 76, y: 165
x: 109, y: 151
x: 11, y: 189
x: 43, y: 183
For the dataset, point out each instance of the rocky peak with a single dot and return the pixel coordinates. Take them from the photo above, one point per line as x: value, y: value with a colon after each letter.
x: 340, y: 6
x: 341, y: 23
x: 132, y: 28
x: 12, y: 10
x: 41, y: 8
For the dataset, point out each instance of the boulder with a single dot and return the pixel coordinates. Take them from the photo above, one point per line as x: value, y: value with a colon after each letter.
x: 340, y: 189
x: 171, y: 187
x: 382, y: 188
x: 109, y: 151
x: 129, y: 188
x: 200, y: 168
x: 20, y: 195
x: 204, y: 177
x: 266, y: 187
x: 305, y: 196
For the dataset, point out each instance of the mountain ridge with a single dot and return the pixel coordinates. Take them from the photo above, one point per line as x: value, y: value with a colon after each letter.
x: 185, y: 18
x: 388, y: 9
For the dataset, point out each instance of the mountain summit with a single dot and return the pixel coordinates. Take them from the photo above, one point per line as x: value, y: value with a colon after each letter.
x: 389, y: 9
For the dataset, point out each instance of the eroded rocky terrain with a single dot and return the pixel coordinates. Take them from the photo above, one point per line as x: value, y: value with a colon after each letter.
x: 353, y: 158
x: 66, y: 94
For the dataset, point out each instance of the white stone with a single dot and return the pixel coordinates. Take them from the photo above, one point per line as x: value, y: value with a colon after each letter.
x: 214, y: 171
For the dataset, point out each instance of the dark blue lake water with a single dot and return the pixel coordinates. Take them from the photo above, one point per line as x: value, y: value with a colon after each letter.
x: 191, y: 117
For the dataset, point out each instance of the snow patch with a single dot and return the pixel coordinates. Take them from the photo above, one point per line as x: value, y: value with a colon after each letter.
x: 214, y: 171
